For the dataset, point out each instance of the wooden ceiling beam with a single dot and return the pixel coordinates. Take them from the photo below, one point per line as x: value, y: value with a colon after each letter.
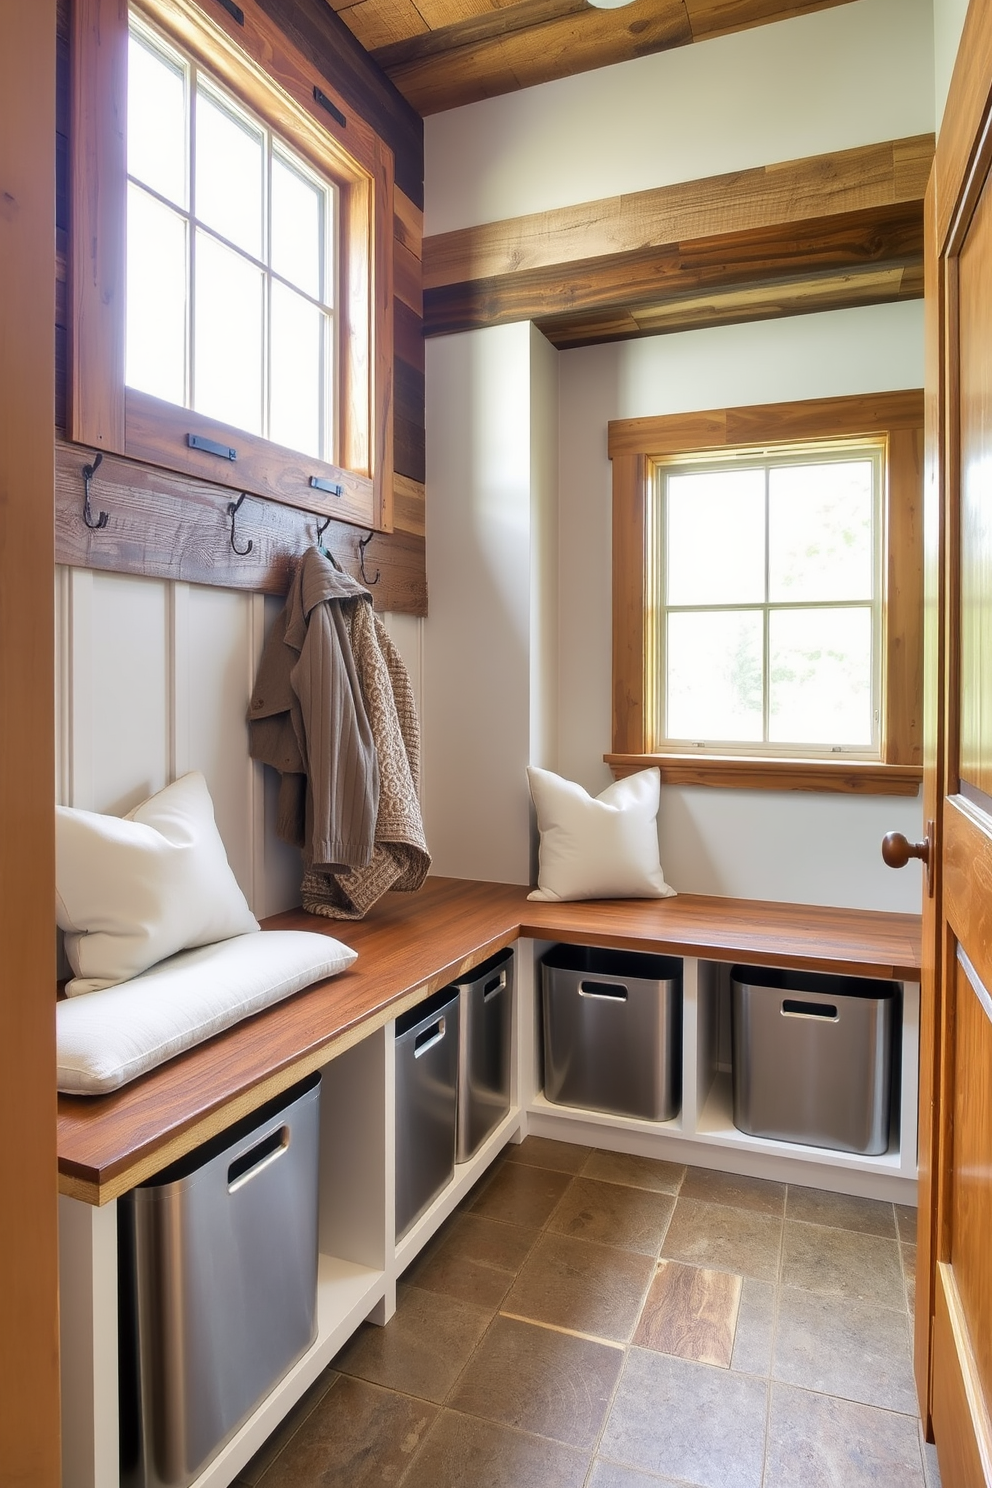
x: 801, y: 296
x: 444, y: 53
x: 577, y: 42
x: 873, y: 238
x: 827, y: 232
x: 789, y: 191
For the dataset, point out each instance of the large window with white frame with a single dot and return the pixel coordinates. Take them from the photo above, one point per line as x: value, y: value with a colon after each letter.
x: 768, y: 570
x: 231, y: 259
x: 230, y: 256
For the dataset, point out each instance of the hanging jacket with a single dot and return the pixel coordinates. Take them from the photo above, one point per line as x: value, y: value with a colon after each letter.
x: 307, y: 718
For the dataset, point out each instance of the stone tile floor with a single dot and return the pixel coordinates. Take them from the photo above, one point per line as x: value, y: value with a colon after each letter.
x: 592, y: 1320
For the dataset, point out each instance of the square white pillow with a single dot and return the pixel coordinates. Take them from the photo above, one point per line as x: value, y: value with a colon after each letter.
x: 132, y: 890
x: 598, y: 847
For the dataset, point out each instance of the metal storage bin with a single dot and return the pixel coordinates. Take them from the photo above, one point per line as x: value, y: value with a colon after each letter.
x: 217, y: 1288
x: 426, y: 1096
x: 813, y: 1057
x: 613, y: 1031
x: 485, y: 1016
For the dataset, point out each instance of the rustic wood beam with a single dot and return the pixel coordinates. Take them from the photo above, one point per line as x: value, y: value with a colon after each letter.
x: 737, y: 306
x: 789, y: 191
x: 169, y: 526
x: 872, y: 239
x: 442, y: 55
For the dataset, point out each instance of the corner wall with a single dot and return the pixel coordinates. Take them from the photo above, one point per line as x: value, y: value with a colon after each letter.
x: 489, y: 698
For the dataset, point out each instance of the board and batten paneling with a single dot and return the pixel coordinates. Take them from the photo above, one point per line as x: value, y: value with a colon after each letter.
x: 153, y: 679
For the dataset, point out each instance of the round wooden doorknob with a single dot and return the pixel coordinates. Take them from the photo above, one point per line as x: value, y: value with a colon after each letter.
x: 897, y: 850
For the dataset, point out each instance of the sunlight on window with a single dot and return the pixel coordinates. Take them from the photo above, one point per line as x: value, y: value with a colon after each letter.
x: 227, y: 365
x: 211, y: 324
x: 156, y: 121
x: 716, y: 543
x: 770, y: 618
x: 155, y: 357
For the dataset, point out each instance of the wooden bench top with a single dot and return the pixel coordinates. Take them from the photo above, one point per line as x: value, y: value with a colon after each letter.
x: 409, y: 946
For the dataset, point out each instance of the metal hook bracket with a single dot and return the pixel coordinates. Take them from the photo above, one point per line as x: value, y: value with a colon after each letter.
x: 321, y: 529
x: 89, y: 471
x: 233, y: 507
x: 363, y: 543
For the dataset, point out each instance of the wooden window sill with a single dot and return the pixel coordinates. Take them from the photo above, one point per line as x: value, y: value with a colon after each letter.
x: 738, y: 772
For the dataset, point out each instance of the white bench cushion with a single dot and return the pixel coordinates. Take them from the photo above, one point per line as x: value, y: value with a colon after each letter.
x: 114, y: 1035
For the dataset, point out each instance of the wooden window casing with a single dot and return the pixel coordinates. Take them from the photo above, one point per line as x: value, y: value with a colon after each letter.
x: 258, y: 66
x: 636, y: 446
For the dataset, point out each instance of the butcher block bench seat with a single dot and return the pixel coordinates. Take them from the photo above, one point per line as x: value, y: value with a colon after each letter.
x: 409, y: 946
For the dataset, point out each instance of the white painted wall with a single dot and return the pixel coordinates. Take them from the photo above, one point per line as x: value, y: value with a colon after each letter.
x: 153, y: 680
x: 753, y: 844
x: 835, y: 79
x: 827, y: 81
x: 491, y: 482
x: 948, y: 23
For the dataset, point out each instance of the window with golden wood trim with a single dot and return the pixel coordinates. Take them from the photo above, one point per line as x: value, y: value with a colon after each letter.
x: 637, y: 447
x: 254, y: 64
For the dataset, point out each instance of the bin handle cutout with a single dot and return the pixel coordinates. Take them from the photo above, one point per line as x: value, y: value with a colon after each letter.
x: 496, y: 985
x: 614, y: 990
x: 792, y: 1009
x: 264, y: 1153
x: 428, y: 1038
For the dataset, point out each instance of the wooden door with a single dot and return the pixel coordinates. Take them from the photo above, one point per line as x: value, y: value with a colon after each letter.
x: 954, y: 1320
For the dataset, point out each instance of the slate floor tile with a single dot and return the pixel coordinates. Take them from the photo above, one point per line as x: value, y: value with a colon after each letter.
x: 476, y: 1260
x: 541, y: 1381
x: 853, y: 1349
x: 615, y: 1475
x: 842, y: 1211
x: 613, y: 1214
x: 359, y: 1436
x: 688, y: 1422
x: 820, y: 1442
x: 543, y: 1152
x: 422, y: 1349
x: 831, y: 1262
x: 755, y: 1327
x: 580, y: 1285
x: 637, y: 1172
x: 520, y: 1194
x: 738, y: 1192
x: 464, y: 1450
x: 725, y: 1239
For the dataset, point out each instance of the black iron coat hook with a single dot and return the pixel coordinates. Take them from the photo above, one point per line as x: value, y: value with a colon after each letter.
x: 89, y: 471
x: 363, y: 543
x: 233, y: 507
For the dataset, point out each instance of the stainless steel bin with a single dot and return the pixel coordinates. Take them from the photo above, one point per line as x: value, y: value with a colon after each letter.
x: 218, y: 1288
x: 426, y: 1098
x: 812, y: 1057
x: 485, y: 1017
x: 613, y: 1031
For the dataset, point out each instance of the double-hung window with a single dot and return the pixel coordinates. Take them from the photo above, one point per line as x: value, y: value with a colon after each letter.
x: 231, y: 259
x: 769, y: 607
x: 767, y: 594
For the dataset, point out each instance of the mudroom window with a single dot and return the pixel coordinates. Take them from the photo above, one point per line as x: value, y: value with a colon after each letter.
x: 231, y: 259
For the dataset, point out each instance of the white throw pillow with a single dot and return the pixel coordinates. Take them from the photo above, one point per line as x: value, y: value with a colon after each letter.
x: 112, y: 1036
x: 602, y: 847
x: 132, y: 890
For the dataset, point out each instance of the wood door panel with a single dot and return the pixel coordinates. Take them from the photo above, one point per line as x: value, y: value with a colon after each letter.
x: 967, y: 881
x: 965, y: 1456
x: 975, y: 317
x: 971, y: 1177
